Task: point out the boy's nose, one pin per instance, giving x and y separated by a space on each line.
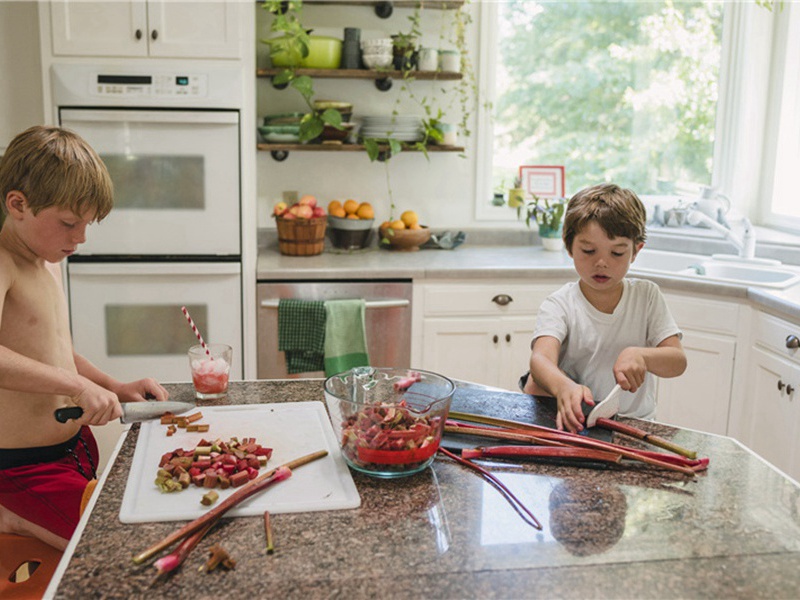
79 235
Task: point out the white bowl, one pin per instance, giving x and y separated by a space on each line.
376 44
377 61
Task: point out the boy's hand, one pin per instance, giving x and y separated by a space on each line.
99 404
630 369
141 390
570 414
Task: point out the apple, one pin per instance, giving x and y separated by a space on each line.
319 212
288 215
308 200
279 208
304 211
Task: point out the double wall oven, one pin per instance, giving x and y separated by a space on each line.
170 137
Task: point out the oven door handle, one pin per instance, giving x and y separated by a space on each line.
149 116
399 303
155 268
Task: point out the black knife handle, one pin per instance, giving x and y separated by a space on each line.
70 412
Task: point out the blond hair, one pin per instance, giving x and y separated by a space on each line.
53 166
618 211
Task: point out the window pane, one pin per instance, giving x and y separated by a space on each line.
614 91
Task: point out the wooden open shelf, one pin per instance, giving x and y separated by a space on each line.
365 74
435 4
291 147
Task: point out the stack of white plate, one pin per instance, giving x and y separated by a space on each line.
403 128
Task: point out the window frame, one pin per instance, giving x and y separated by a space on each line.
741 108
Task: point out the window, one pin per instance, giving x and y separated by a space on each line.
659 96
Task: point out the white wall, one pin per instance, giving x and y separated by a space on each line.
21 102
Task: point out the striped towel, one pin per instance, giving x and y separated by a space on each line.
301 334
345 336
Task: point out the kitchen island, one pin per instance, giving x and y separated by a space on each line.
732 531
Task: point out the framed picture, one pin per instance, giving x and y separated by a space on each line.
543 181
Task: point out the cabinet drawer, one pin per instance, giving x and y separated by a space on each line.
704 315
476 299
771 332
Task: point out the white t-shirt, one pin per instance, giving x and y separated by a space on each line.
591 340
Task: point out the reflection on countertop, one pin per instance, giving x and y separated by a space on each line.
733 531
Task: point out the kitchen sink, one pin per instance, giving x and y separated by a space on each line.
695 266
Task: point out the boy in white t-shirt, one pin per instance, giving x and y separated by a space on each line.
604 329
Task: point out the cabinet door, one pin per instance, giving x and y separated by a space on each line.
99 28
774 419
467 349
194 29
517 333
700 398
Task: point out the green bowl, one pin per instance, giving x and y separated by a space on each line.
280 133
323 53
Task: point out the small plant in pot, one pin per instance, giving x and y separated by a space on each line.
548 214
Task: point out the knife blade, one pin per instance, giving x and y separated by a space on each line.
606 409
132 412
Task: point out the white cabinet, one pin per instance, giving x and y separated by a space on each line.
147 28
479 332
700 398
773 409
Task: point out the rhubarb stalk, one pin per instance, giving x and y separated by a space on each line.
641 434
541 452
518 506
247 490
268 531
170 562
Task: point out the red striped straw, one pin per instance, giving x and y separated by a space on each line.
196 331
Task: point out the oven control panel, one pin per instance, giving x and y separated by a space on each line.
150 86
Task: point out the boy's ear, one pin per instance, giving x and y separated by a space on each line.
16 203
636 250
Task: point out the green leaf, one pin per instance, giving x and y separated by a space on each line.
311 128
395 147
283 77
305 85
372 148
333 117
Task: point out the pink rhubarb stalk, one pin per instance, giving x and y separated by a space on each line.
541 452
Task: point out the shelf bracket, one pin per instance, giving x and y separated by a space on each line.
384 10
279 155
384 84
278 86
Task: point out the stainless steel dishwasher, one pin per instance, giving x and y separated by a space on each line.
387 320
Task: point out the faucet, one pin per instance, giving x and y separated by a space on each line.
746 244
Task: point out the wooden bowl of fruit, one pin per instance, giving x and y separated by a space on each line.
405 239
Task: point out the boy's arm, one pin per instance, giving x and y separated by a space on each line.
665 360
135 391
569 395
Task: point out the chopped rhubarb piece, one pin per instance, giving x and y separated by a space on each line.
239 478
261 451
194 417
167 418
209 498
211 480
253 463
198 480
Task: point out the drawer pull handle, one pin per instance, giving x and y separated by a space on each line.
154 34
495 339
138 34
508 337
792 342
502 299
788 386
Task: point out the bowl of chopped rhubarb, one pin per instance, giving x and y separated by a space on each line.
389 421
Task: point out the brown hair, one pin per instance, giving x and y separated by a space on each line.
56 167
618 211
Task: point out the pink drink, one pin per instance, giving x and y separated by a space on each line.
210 373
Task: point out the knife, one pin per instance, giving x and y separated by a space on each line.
606 409
132 412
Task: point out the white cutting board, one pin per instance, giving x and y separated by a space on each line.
291 429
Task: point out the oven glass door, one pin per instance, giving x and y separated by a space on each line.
126 317
176 180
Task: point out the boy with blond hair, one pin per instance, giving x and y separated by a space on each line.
604 329
53 185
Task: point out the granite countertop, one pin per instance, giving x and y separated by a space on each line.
529 264
733 531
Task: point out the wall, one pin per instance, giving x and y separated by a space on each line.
440 189
21 103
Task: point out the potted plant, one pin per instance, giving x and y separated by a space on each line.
548 213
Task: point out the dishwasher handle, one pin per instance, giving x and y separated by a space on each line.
273 303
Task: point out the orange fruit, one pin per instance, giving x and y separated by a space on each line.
415 226
397 224
350 207
352 216
337 211
333 205
365 211
409 217
385 225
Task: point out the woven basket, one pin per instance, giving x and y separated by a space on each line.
301 237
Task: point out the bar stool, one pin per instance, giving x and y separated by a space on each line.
19 556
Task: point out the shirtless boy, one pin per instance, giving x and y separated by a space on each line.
53 185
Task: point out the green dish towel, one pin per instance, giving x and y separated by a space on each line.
345 336
301 334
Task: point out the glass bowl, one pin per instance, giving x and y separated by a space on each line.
389 421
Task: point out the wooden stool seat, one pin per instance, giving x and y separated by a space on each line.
41 559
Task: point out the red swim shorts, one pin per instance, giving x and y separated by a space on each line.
46 485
